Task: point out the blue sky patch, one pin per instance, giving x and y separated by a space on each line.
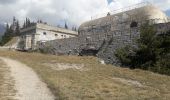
168 12
109 1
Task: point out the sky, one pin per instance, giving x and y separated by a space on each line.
74 12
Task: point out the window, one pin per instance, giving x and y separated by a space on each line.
56 35
134 24
44 33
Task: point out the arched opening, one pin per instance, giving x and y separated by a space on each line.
88 52
134 24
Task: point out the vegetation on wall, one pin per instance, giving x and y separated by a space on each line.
153 52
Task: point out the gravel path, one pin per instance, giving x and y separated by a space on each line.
27 83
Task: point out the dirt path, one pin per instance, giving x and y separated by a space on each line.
27 83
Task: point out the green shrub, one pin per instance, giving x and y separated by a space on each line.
124 56
153 52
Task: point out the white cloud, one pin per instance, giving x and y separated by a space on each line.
54 11
57 11
162 4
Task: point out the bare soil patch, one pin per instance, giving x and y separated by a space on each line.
66 66
128 82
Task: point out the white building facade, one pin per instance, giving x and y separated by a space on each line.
40 33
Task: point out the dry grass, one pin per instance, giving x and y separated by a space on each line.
98 82
6 83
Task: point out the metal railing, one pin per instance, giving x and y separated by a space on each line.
128 8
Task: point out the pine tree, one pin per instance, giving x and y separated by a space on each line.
7 30
41 21
11 31
75 29
17 31
7 35
66 27
14 20
29 23
24 25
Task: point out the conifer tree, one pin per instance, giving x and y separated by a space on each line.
73 28
17 31
7 35
66 27
24 25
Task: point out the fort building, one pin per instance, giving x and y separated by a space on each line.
40 33
102 36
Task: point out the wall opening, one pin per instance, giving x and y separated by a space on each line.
44 33
88 52
134 24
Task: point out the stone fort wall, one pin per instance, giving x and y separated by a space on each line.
103 36
104 41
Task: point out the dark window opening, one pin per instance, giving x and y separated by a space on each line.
109 58
56 34
134 24
88 52
44 33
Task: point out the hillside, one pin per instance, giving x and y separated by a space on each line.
84 78
12 42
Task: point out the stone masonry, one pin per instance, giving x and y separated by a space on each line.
102 37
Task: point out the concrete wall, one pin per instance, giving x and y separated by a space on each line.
43 33
62 46
51 35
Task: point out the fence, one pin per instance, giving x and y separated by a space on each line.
122 10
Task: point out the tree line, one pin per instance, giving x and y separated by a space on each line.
11 31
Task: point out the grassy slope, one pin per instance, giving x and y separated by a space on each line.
12 41
97 82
